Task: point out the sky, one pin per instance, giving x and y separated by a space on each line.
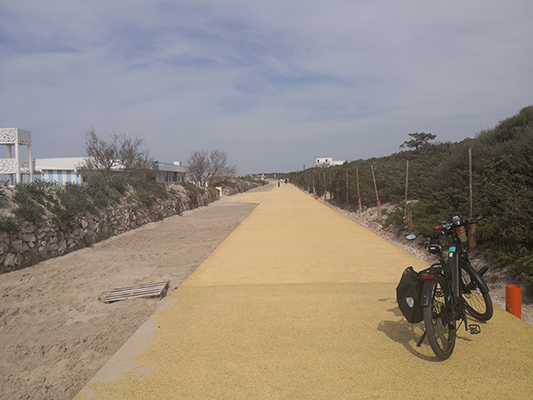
275 83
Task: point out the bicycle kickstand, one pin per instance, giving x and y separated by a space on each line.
422 339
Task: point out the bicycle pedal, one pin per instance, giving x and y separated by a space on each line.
474 329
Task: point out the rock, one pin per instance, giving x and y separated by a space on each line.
29 237
9 261
27 228
62 246
16 244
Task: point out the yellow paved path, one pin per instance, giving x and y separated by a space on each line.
299 303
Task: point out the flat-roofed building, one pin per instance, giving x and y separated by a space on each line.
327 162
60 170
169 174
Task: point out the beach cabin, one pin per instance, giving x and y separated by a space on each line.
60 170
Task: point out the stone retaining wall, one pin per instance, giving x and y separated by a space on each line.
45 239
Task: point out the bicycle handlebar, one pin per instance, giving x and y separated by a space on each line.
433 234
446 228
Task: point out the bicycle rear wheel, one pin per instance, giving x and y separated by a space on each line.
477 303
438 319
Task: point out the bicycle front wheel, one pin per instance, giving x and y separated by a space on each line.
477 303
438 319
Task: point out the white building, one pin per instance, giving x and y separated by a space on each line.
63 170
327 162
169 174
60 170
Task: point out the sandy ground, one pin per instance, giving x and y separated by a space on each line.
55 333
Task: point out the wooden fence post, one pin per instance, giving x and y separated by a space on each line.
325 186
358 192
472 230
330 193
347 201
406 187
472 237
377 197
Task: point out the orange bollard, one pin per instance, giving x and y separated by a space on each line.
316 196
513 300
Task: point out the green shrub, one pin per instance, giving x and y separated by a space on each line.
75 197
40 192
528 284
148 190
190 187
105 190
193 192
144 198
8 223
29 211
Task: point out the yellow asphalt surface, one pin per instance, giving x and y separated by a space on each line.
299 302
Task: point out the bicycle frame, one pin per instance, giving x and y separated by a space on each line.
454 253
451 271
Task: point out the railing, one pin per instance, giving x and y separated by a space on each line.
9 166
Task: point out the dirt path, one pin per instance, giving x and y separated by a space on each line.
55 333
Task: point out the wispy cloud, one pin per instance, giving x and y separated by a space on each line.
274 83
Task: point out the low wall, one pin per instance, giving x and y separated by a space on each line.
45 239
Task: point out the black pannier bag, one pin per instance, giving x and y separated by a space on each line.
409 295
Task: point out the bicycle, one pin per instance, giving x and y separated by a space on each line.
451 288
